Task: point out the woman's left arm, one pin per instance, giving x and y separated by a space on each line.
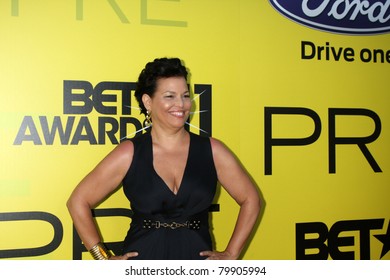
239 185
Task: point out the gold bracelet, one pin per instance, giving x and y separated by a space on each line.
100 252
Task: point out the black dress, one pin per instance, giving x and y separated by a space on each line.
167 225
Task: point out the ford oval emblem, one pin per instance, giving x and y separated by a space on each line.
355 17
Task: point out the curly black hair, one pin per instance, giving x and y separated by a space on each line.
158 68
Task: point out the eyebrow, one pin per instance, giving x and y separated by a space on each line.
170 91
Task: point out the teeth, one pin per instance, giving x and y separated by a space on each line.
178 114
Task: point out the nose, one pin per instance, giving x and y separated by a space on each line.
180 101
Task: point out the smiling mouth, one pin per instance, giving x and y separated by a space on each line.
178 114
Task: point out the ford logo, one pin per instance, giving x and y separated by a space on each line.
356 17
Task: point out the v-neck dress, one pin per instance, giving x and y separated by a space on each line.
166 225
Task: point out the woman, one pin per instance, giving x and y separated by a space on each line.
169 176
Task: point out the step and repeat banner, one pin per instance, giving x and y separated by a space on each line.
298 90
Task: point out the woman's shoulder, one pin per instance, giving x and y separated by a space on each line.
217 144
220 149
125 147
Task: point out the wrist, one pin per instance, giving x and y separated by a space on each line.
100 252
232 254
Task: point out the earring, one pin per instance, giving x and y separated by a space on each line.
148 119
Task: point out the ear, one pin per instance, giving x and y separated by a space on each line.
146 100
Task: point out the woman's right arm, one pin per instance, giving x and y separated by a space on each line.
95 187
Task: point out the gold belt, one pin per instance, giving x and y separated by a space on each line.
149 224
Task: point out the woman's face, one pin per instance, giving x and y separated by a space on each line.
171 103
